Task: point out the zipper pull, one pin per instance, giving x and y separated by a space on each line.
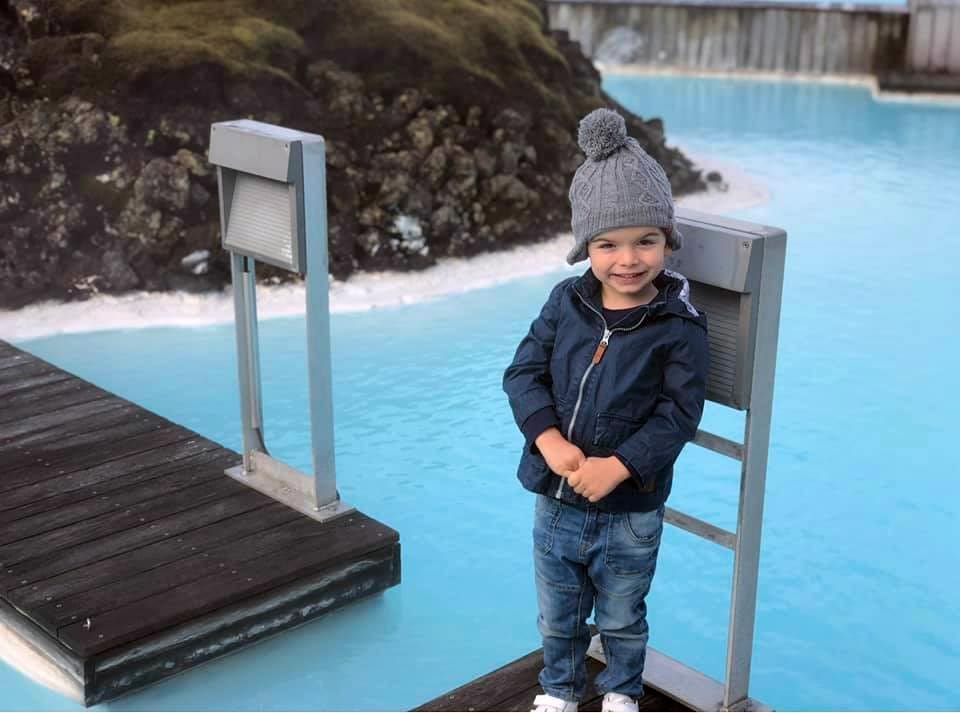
602 346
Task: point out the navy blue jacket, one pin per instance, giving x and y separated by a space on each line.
641 401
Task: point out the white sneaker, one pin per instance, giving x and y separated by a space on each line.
618 702
551 704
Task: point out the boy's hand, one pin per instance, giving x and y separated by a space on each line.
597 477
562 456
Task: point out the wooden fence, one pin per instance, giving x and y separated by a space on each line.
826 38
934 43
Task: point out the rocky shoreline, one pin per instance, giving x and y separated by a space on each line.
105 188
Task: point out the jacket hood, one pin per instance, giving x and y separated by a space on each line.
673 297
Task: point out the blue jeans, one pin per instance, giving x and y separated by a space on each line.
585 559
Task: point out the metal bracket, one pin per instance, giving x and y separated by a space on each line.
288 485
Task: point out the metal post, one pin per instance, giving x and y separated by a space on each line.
248 355
272 183
318 323
746 563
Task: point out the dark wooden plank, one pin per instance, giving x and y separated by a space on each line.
163 578
53 435
17 386
44 567
51 602
79 413
134 515
514 686
141 433
489 690
38 399
130 498
11 359
10 378
225 630
331 544
65 490
168 548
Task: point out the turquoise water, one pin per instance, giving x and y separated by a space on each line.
858 605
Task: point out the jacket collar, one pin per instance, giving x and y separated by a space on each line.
673 297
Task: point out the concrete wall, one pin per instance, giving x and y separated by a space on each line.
828 38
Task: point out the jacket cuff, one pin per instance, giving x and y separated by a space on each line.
537 423
634 473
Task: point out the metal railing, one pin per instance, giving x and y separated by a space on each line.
735 270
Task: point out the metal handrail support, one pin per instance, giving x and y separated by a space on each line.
744 259
273 208
753 476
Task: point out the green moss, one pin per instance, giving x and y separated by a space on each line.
467 45
498 43
149 35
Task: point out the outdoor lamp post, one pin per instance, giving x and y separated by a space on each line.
273 208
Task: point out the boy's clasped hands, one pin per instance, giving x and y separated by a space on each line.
593 478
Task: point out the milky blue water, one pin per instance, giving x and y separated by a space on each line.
858 604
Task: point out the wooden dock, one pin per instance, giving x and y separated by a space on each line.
126 554
514 686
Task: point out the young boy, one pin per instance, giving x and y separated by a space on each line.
607 387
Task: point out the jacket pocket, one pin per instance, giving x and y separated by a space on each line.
612 429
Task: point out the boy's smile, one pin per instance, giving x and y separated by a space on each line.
626 261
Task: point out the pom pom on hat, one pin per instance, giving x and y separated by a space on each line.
601 132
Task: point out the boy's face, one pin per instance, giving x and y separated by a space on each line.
626 261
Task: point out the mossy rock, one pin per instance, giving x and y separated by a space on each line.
473 50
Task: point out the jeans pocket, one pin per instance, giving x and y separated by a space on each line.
633 540
545 518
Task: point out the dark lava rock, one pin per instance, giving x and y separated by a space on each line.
104 124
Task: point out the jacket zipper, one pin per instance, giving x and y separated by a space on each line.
597 356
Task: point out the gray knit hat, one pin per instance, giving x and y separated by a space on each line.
618 185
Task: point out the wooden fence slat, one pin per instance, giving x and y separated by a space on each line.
655 35
808 24
769 39
683 20
670 35
953 56
743 38
921 33
873 44
819 43
695 37
940 41
731 36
